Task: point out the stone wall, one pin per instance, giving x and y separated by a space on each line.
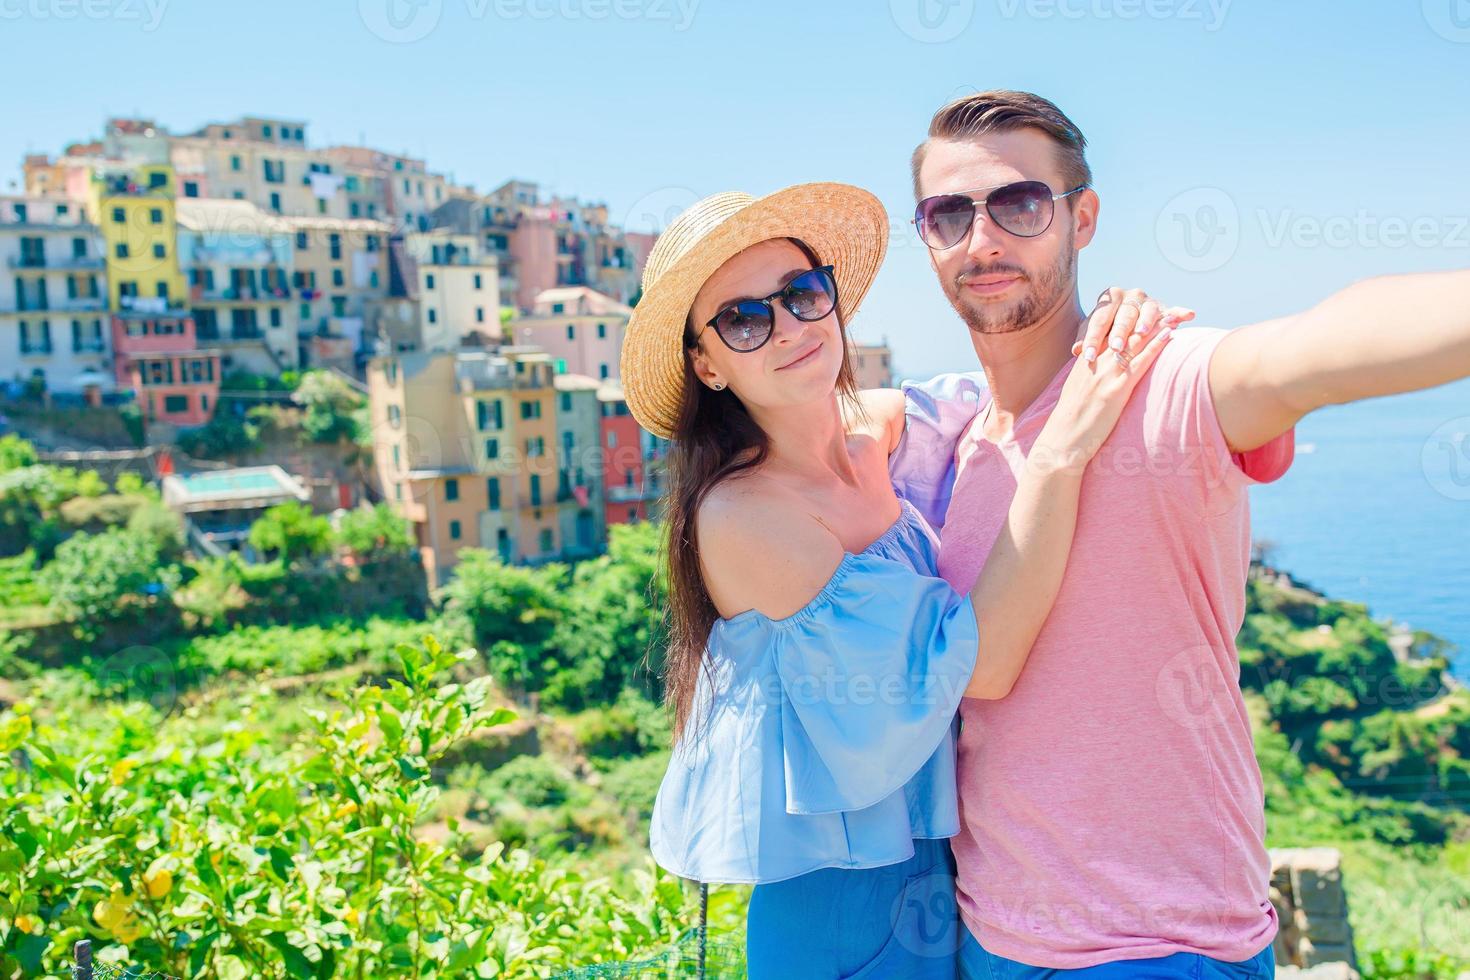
1311 902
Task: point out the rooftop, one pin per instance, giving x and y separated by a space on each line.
237 489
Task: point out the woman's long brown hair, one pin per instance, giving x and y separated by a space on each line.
714 439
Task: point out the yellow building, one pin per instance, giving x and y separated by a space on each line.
134 210
464 448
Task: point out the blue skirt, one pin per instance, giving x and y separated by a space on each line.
898 922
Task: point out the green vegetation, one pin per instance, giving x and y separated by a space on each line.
218 768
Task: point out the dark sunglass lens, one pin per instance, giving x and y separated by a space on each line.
744 326
945 219
811 295
1023 209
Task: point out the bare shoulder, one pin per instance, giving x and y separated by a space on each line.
881 417
761 548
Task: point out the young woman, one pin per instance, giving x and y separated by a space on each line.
815 660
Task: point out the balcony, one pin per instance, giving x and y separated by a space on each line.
81 304
42 263
38 349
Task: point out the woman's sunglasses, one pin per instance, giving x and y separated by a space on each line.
746 325
1024 208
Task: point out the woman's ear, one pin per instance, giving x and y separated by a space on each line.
703 370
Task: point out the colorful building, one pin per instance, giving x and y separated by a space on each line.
872 364
632 461
238 261
463 447
579 491
134 208
52 296
156 353
457 287
579 327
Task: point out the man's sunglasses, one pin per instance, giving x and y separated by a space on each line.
1024 208
747 325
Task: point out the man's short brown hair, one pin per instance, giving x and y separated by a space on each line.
1000 111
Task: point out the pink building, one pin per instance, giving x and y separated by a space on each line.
579 327
158 355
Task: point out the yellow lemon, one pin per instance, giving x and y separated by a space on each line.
346 809
351 916
28 924
159 883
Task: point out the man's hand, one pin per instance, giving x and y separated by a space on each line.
1377 337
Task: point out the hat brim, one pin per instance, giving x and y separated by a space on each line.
845 226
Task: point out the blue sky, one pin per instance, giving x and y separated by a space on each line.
1251 155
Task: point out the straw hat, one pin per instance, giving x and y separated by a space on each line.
845 226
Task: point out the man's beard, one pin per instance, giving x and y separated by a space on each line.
1043 295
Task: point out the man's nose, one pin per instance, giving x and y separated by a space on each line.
987 242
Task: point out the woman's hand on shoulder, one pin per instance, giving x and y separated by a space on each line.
761 548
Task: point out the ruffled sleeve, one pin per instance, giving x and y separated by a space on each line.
871 673
936 414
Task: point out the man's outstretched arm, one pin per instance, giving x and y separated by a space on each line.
1376 337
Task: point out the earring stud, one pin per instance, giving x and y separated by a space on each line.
718 385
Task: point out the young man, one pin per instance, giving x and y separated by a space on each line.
1111 805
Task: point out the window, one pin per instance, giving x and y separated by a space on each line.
79 248
602 331
492 448
454 530
372 243
530 410
275 171
566 403
628 478
156 180
275 316
535 490
451 489
121 250
535 446
301 243
558 307
161 291
159 251
118 216
429 280
479 314
191 188
395 416
334 244
20 212
492 488
397 458
546 540
275 202
155 215
632 514
571 331
477 280
176 403
265 131
234 160
433 315
612 440
337 279
602 371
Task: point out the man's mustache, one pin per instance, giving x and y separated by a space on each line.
975 271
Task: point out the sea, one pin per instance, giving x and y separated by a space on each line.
1376 509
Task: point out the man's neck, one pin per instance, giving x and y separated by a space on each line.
1019 365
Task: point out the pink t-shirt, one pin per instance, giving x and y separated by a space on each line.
1111 807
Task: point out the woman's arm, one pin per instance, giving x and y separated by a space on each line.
1021 578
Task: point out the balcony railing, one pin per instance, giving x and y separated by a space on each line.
35 348
59 263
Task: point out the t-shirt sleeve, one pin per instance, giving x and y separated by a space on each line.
1184 423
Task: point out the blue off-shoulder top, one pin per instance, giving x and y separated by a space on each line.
825 739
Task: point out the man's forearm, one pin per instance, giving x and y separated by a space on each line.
1377 337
